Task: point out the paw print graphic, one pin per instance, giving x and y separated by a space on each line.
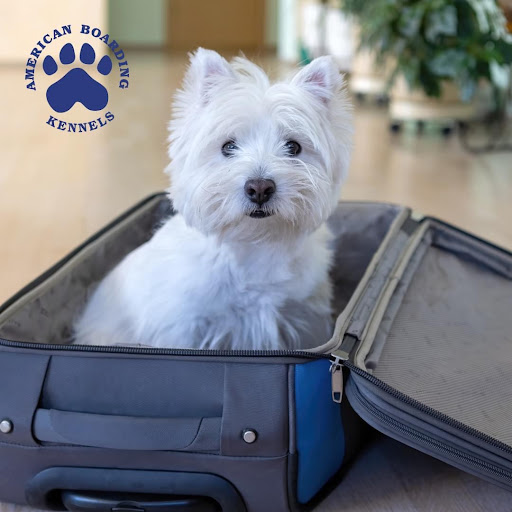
77 85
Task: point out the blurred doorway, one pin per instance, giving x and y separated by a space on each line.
223 25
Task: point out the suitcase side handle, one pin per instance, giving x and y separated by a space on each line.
81 501
129 488
127 432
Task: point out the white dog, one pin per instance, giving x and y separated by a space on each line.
256 169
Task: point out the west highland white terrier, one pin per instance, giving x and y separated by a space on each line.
256 169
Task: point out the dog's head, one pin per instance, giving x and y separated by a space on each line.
252 160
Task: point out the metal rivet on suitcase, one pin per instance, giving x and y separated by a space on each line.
6 426
249 435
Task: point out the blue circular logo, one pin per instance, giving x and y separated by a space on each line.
82 69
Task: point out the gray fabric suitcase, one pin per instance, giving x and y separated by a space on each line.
423 340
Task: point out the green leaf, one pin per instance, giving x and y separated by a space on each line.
499 75
482 70
430 83
504 48
441 22
450 63
410 68
467 88
467 25
410 20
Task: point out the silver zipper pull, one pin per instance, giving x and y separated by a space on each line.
336 370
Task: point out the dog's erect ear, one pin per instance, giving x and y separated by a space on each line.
207 71
321 78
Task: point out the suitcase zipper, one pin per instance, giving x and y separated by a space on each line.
456 425
341 357
336 378
430 442
338 359
163 351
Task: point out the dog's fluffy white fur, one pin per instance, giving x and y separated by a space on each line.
213 277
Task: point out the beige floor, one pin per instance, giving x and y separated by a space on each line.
57 188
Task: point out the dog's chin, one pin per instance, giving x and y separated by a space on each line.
259 214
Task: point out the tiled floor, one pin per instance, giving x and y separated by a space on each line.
57 188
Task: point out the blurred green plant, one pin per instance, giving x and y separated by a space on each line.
431 41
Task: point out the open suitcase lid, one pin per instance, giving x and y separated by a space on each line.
428 340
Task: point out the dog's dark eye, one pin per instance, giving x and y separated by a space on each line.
229 148
292 148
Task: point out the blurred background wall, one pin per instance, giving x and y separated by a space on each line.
175 25
22 23
139 24
228 25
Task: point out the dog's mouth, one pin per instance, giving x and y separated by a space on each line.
260 214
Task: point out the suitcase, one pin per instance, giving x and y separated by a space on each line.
422 351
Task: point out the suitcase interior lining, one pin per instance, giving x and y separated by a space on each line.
446 337
46 313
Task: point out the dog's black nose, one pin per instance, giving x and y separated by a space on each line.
259 191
